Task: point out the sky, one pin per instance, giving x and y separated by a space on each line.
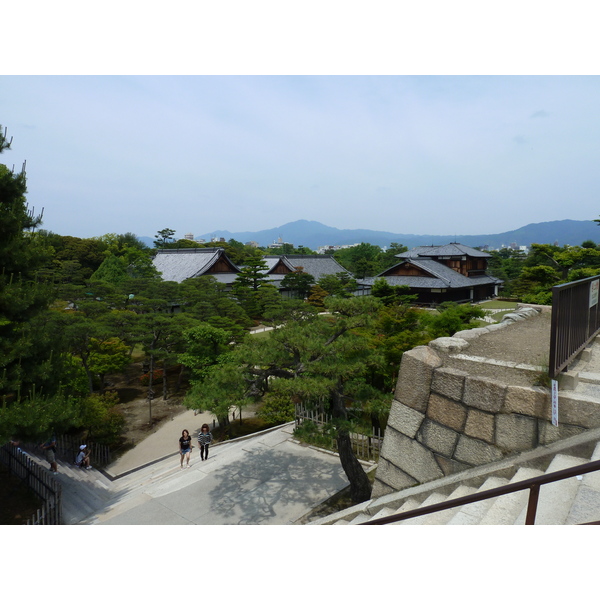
127 141
406 154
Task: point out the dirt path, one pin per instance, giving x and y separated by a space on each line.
525 342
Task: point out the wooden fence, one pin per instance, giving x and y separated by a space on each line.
40 481
68 448
366 446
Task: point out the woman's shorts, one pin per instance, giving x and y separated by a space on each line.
186 450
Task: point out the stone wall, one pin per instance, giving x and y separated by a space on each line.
444 420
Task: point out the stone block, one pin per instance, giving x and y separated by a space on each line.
515 433
446 412
381 489
449 344
549 433
449 383
480 425
450 466
414 379
470 334
437 438
404 419
390 478
577 411
531 401
410 456
568 381
475 452
484 393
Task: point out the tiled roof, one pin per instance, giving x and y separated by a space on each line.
454 249
181 264
313 264
442 276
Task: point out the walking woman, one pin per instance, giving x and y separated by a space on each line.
204 439
185 447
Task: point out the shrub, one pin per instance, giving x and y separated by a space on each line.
157 377
276 410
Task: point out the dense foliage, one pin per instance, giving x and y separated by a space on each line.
530 277
74 310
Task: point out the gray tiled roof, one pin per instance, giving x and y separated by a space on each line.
442 276
313 264
454 249
181 264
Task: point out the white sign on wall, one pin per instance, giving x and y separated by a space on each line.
594 287
555 402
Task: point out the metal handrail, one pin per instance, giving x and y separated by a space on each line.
574 322
533 485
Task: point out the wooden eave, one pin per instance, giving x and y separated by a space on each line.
406 269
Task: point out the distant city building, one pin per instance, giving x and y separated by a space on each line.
189 236
217 239
280 244
252 244
325 249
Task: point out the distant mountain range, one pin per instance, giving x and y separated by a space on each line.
313 234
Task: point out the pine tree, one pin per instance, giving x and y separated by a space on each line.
24 353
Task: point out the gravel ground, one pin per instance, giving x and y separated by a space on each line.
523 342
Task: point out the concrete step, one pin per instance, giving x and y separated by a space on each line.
505 510
443 516
556 499
361 518
384 512
586 506
471 514
433 498
410 504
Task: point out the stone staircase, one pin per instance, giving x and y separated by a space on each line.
84 492
570 501
88 494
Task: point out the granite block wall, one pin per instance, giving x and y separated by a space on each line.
444 420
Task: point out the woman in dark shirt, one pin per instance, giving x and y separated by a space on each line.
185 446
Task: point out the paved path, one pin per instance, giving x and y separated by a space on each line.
267 478
161 443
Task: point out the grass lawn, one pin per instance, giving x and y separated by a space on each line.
498 304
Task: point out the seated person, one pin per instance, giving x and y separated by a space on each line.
83 458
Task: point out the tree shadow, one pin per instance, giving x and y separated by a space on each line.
268 484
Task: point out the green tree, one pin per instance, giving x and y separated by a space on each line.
22 295
319 361
363 260
317 296
341 284
110 355
392 294
253 274
164 238
298 282
389 258
206 299
450 318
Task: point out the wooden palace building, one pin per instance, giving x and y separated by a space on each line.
452 272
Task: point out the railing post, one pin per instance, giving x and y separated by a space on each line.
534 494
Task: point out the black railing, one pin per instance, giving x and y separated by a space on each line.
575 321
533 485
40 481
